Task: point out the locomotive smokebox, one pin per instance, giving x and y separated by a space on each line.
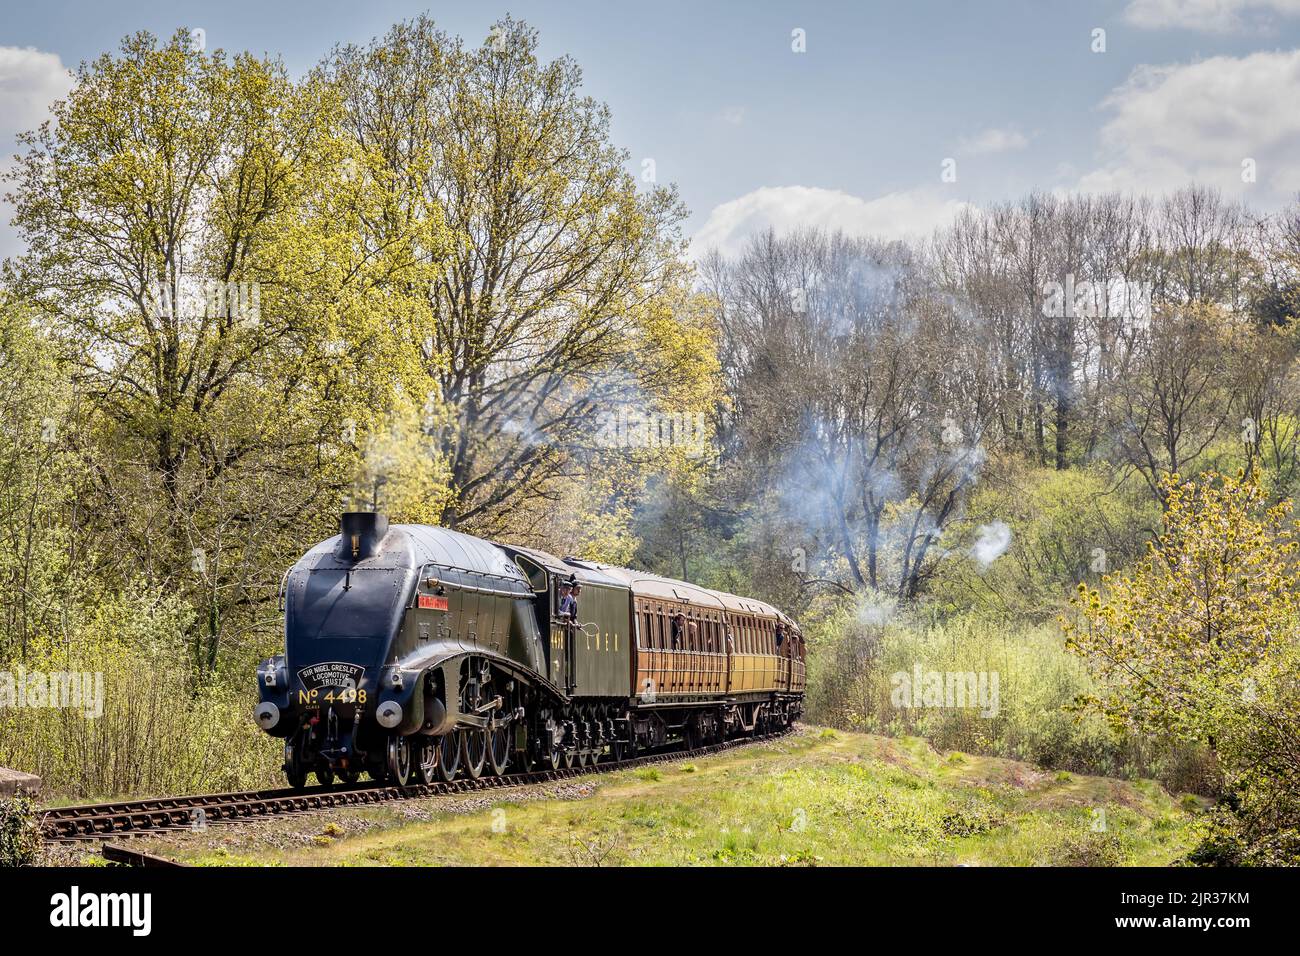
362 531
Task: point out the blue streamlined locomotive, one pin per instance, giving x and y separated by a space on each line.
414 652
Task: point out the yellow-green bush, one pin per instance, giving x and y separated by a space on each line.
854 656
160 730
20 835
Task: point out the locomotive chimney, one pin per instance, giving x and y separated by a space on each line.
361 533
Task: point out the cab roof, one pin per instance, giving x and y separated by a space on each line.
560 568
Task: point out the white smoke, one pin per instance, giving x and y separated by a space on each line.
993 541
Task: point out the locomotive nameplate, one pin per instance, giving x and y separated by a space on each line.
331 674
433 603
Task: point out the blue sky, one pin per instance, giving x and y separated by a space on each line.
852 133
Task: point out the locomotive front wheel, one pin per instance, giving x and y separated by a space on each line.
499 750
448 756
294 771
399 760
426 763
473 751
325 776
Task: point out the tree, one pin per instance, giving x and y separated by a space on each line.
39 478
1197 643
197 244
861 396
1176 395
537 325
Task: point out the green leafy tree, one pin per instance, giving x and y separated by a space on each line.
221 263
539 321
1197 643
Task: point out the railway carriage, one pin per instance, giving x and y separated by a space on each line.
414 652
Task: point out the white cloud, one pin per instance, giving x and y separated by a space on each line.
993 140
897 215
30 81
1175 124
1209 16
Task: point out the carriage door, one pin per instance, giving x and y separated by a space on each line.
561 643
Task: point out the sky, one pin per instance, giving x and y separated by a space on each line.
872 117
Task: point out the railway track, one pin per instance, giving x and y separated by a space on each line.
102 821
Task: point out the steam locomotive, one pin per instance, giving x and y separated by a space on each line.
420 653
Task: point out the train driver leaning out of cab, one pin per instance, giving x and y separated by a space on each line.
568 609
577 593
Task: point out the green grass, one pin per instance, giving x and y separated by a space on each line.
813 798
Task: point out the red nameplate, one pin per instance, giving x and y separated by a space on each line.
436 603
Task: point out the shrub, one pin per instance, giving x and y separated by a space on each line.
161 730
1197 644
1093 849
855 652
20 834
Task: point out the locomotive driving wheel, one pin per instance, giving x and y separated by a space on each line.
499 748
448 756
399 759
474 750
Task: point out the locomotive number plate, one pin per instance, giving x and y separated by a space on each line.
331 682
433 603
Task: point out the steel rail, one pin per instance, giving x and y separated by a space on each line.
102 821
